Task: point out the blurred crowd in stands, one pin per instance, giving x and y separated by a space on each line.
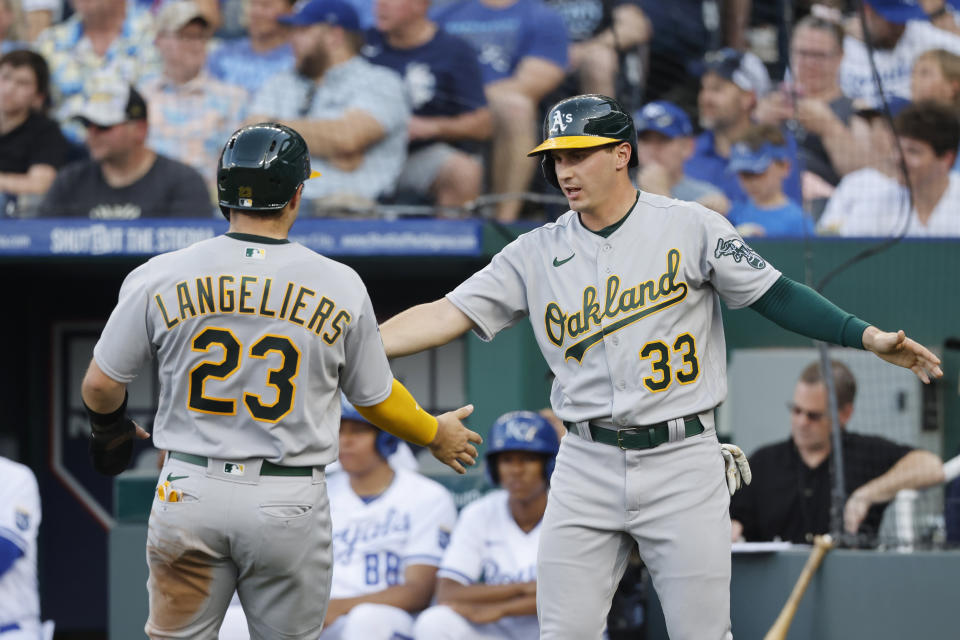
835 119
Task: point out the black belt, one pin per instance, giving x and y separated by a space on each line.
266 469
646 437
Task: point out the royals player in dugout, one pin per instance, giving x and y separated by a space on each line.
623 293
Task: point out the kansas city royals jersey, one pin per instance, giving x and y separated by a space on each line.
374 542
253 339
629 324
487 546
19 522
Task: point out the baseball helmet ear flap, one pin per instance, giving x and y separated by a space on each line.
387 444
549 170
521 431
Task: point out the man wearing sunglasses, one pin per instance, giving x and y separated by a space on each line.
790 496
123 179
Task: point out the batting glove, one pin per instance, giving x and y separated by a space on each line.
737 467
111 439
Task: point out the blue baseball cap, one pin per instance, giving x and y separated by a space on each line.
335 12
898 11
664 118
743 159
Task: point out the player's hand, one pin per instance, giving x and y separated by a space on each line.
855 511
452 444
897 348
737 467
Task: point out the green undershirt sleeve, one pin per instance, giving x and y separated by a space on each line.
800 309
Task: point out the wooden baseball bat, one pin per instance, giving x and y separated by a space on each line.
821 544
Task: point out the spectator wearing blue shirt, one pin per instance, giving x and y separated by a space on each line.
730 87
443 82
664 142
761 160
522 50
249 62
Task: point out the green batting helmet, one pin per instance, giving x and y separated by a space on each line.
583 122
261 167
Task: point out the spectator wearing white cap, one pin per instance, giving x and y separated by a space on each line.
731 84
123 179
900 30
191 113
664 143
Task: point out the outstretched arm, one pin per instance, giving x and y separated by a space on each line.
916 470
423 327
802 310
445 435
898 349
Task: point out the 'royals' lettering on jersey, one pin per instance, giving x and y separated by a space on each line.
629 324
374 542
488 546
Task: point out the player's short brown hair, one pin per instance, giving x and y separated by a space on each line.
929 122
843 380
760 134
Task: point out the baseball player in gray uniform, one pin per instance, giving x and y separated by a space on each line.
623 293
255 336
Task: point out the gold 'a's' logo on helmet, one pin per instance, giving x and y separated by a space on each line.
245 192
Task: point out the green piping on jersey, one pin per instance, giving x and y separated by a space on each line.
606 232
800 309
249 237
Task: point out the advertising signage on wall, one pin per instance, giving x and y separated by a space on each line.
332 237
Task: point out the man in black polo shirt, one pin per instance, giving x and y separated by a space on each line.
789 498
32 147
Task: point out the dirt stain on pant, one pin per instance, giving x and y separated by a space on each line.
179 586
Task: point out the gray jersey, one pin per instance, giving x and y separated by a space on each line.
629 324
253 339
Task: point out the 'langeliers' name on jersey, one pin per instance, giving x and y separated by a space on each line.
665 291
246 295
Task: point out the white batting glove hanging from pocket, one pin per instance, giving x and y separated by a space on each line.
737 467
